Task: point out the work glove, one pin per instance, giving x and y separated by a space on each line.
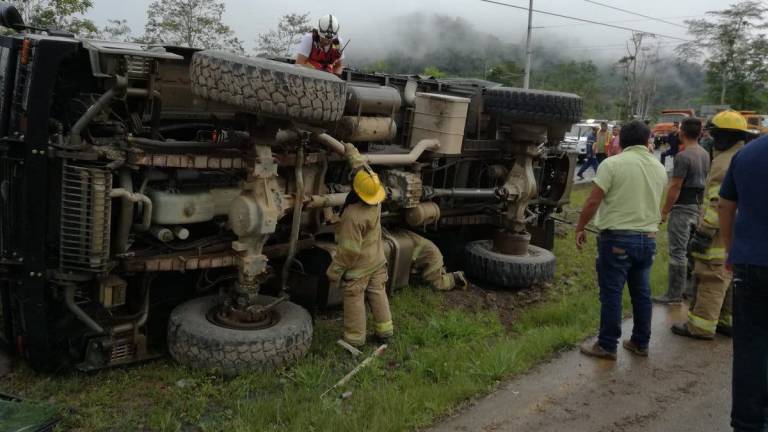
700 242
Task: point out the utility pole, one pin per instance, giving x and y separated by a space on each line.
528 51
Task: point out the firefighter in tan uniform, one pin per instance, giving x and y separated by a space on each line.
428 260
359 264
711 308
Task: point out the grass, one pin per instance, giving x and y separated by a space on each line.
441 358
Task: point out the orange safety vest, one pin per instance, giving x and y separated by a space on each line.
321 59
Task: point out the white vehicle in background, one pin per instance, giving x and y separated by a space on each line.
576 139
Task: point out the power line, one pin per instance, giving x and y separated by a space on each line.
617 21
635 13
585 20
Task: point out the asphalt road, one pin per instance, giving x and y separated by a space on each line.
683 386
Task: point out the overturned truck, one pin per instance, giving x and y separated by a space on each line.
159 199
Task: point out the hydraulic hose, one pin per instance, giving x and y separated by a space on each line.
296 217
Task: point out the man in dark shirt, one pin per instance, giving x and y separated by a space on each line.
591 160
743 198
683 206
673 139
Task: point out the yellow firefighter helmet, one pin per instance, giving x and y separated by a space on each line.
368 186
730 120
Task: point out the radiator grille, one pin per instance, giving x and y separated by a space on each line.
138 67
85 217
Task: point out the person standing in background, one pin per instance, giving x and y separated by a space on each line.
626 197
674 143
601 142
683 206
614 147
591 160
742 200
710 311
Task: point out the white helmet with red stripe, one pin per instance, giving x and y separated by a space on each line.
328 27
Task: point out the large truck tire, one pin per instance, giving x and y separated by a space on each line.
195 341
509 271
268 87
542 107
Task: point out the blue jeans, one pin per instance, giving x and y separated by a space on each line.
624 259
750 349
591 162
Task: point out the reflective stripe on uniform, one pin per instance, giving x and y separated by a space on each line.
701 323
726 320
711 217
350 245
354 338
335 269
384 329
714 253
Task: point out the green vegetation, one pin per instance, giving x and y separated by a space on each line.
433 72
443 355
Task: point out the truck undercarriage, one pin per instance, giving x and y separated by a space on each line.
157 197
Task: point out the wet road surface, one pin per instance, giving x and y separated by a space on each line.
683 386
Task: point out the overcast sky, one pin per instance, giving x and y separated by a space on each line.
361 20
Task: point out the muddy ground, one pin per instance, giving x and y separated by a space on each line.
683 386
506 303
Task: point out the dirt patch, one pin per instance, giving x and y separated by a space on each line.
506 303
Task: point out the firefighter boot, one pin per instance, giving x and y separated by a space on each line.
677 285
460 280
712 288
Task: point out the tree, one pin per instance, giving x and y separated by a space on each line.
190 23
582 78
432 71
734 52
117 30
278 43
508 73
58 14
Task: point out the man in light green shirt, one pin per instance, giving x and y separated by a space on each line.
626 199
633 183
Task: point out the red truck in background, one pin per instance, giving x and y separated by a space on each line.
666 123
